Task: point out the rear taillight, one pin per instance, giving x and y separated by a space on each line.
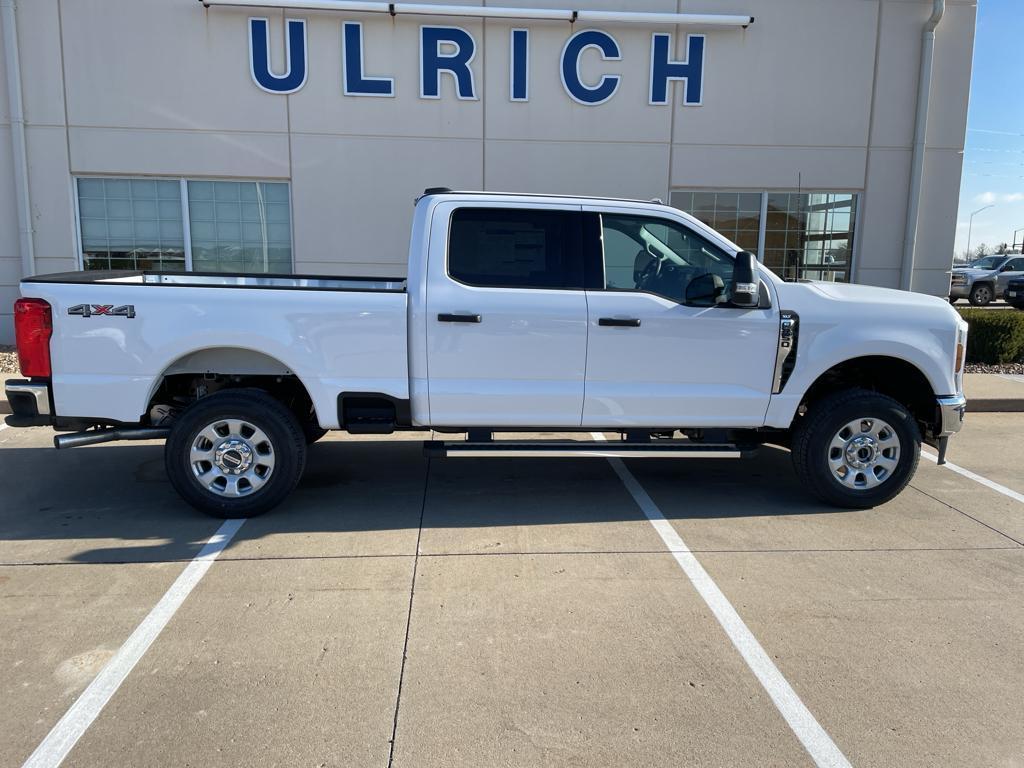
33 326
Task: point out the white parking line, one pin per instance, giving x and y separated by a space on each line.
816 741
977 478
76 721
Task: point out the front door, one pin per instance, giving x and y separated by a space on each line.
507 318
1011 270
654 360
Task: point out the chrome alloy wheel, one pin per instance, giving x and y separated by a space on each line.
864 453
231 457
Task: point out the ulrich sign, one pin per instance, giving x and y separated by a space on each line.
450 51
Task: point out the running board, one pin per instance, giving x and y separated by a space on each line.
662 449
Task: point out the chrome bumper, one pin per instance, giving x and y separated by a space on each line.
951 414
30 403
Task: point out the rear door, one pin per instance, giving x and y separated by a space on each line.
655 360
506 316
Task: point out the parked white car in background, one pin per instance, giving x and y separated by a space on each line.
520 313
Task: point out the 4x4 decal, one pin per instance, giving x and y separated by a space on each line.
108 310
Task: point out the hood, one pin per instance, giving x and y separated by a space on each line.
885 305
972 271
867 294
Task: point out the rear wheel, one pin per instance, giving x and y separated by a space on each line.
981 295
237 453
856 448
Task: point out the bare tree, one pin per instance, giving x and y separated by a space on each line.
1002 248
982 250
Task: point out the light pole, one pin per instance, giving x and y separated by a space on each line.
970 226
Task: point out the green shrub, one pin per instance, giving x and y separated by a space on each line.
996 335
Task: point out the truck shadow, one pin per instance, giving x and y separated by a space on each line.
116 500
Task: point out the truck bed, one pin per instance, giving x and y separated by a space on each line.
117 333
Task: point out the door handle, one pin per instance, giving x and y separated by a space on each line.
448 317
619 322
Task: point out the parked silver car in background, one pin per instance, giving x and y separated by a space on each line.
985 280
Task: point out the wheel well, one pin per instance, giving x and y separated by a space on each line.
206 371
900 380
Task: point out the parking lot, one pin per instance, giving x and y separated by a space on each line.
413 612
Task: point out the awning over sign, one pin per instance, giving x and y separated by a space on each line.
486 12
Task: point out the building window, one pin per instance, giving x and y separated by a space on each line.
131 224
165 224
797 235
736 215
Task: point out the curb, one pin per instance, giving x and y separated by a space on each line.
995 405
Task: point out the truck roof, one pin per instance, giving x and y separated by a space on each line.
430 191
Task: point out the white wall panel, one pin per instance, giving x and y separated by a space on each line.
883 218
179 153
812 168
800 75
168 64
353 197
52 213
41 75
582 168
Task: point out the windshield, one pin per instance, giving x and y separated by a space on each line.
989 262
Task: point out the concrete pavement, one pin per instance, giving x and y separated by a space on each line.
406 612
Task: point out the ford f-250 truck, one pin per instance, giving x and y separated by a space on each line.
520 313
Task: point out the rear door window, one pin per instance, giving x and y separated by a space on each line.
515 248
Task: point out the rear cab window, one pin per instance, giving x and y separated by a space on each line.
515 248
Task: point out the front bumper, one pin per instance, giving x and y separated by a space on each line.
30 403
951 414
959 290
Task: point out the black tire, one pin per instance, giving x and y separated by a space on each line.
813 435
312 432
981 295
952 300
285 442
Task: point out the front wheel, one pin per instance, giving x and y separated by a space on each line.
856 448
981 295
237 453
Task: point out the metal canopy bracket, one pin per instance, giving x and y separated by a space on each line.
488 12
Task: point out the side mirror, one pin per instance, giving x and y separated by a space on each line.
706 290
745 290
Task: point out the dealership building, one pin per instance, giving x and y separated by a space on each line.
826 136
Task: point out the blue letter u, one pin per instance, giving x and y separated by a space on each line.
294 76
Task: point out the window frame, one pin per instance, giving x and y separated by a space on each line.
575 230
601 281
186 227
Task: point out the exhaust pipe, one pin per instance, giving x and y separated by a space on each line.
93 436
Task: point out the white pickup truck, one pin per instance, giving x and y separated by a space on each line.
520 313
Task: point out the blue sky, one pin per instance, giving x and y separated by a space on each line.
994 153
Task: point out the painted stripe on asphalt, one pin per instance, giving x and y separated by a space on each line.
816 741
76 721
977 478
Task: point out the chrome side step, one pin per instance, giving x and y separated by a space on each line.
662 449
